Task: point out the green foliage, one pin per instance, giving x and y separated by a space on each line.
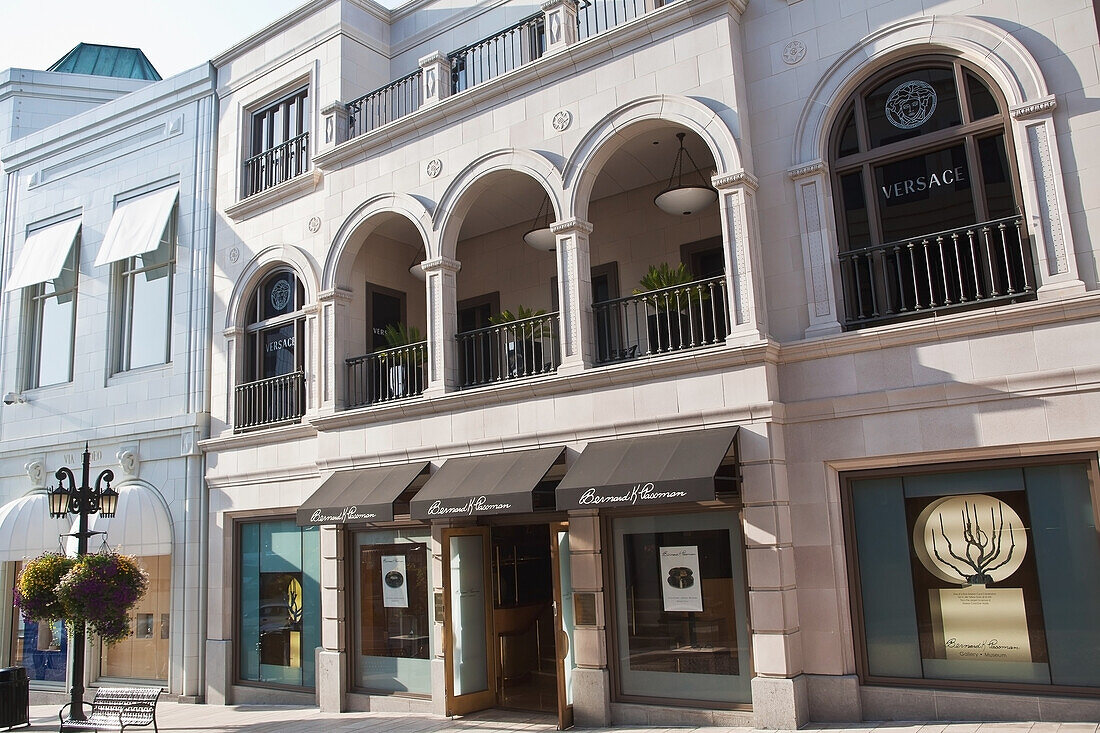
36 587
400 334
662 276
522 312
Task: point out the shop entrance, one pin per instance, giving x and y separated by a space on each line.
509 638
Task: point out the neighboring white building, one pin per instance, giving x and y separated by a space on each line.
105 340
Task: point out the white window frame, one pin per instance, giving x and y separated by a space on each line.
126 271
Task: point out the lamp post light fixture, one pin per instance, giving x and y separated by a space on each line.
83 501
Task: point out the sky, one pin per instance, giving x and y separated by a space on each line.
175 35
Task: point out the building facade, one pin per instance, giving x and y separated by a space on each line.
106 280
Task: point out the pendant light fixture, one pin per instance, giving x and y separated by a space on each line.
540 236
415 269
682 199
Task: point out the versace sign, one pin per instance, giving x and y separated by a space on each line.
911 104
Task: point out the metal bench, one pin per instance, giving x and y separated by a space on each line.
116 708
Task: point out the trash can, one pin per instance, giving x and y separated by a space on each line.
14 697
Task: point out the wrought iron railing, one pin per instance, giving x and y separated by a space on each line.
384 105
277 164
671 319
597 16
950 270
268 402
498 54
512 350
388 375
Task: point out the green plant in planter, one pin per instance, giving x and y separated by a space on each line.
403 364
524 341
531 330
400 334
662 276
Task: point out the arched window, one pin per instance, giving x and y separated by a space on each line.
927 199
274 356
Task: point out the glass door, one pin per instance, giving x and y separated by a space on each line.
563 621
468 655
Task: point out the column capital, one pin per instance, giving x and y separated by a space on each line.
334 294
807 169
560 21
336 128
435 73
735 180
436 264
565 226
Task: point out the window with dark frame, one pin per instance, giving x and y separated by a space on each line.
278 143
927 195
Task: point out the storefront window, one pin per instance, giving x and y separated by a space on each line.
680 607
392 583
41 648
988 576
144 654
280 609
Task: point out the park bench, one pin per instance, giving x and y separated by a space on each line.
115 708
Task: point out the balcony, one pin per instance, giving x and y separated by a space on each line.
497 54
268 402
276 165
973 266
678 318
514 350
387 376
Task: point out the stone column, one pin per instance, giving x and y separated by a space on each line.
234 372
591 679
1047 220
744 278
818 253
442 311
332 676
435 72
560 22
336 126
574 295
332 390
779 694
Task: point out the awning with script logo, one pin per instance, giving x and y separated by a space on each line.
649 470
359 495
500 483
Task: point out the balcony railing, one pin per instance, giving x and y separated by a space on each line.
955 269
277 164
384 105
388 375
512 350
498 54
268 402
597 16
660 321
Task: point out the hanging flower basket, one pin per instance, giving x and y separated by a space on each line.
98 590
36 587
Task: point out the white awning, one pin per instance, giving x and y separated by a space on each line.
140 526
27 530
43 255
137 226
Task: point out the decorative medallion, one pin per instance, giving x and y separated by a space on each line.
434 168
972 539
794 52
280 294
234 255
562 120
314 224
911 104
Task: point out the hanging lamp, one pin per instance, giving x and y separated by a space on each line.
679 198
540 236
415 268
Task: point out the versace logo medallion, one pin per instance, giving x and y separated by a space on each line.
911 104
280 295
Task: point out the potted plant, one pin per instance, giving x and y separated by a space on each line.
523 342
668 321
400 363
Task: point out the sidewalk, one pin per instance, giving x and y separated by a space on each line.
176 718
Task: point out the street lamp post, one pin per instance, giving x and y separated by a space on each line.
82 501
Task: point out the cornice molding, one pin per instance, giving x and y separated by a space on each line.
734 180
808 169
257 202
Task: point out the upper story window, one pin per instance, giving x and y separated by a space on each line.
47 271
927 196
273 388
278 143
141 239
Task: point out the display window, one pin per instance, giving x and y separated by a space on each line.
144 654
41 648
392 585
280 602
680 598
980 576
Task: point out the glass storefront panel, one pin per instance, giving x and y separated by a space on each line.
280 593
42 649
987 576
393 584
144 654
681 622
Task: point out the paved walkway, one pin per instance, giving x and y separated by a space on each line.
182 718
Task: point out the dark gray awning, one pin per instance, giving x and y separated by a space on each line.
501 483
658 469
360 495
